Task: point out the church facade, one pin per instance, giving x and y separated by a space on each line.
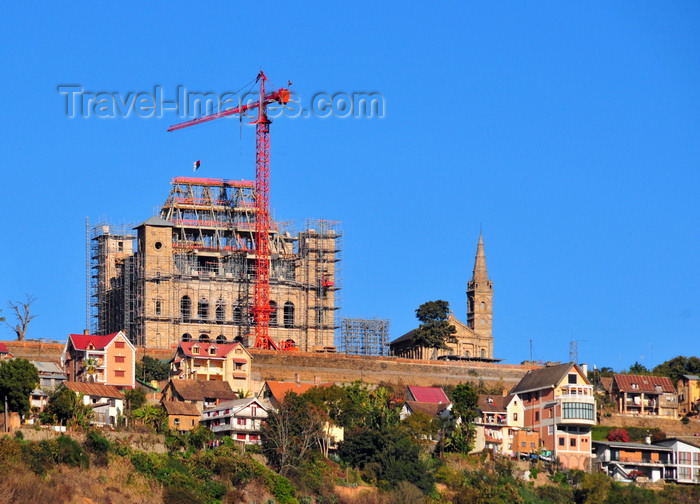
473 339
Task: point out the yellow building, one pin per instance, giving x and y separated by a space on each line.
473 340
688 387
213 362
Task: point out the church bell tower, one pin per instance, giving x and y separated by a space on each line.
480 295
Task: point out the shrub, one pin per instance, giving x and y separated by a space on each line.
619 435
685 420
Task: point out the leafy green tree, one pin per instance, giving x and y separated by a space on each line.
152 369
677 367
18 377
638 369
151 416
67 408
465 409
387 456
434 329
420 426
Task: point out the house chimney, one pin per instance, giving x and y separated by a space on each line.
86 332
317 379
297 380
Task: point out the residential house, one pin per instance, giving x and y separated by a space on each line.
4 352
632 461
499 418
273 393
107 360
203 394
685 466
241 419
688 387
645 395
426 395
559 406
51 375
107 401
182 416
435 410
228 362
669 459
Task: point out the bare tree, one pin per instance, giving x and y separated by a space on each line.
22 315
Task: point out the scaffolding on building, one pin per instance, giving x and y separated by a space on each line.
196 281
364 336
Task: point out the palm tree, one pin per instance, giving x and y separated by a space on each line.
90 367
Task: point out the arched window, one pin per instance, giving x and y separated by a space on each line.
204 338
239 339
186 337
185 308
203 309
483 353
288 315
220 311
221 339
273 314
483 306
466 354
237 317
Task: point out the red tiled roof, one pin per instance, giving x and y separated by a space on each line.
82 341
198 390
3 348
240 361
222 350
644 383
95 389
428 394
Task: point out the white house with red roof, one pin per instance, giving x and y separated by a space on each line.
104 359
228 362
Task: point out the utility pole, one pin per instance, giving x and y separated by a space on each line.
7 427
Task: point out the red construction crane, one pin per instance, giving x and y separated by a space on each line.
261 307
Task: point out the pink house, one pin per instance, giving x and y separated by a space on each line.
106 360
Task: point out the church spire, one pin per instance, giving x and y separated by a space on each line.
481 274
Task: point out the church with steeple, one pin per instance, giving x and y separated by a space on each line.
473 339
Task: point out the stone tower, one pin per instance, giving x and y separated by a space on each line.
480 295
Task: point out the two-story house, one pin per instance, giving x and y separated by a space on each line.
499 418
558 404
203 394
669 459
241 419
229 362
688 387
107 360
632 461
645 395
106 401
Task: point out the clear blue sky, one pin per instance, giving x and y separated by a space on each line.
568 131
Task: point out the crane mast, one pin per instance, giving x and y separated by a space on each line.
261 299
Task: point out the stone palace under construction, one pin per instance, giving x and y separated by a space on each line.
188 273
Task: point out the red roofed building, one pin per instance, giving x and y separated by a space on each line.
107 360
645 395
4 352
426 395
228 362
